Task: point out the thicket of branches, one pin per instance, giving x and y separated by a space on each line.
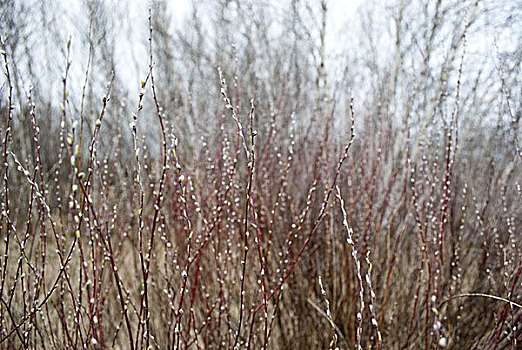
254 178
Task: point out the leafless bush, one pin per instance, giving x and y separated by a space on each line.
256 187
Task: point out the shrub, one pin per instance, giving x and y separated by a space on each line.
265 204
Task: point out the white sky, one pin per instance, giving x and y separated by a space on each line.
338 13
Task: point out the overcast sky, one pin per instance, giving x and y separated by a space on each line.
340 12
